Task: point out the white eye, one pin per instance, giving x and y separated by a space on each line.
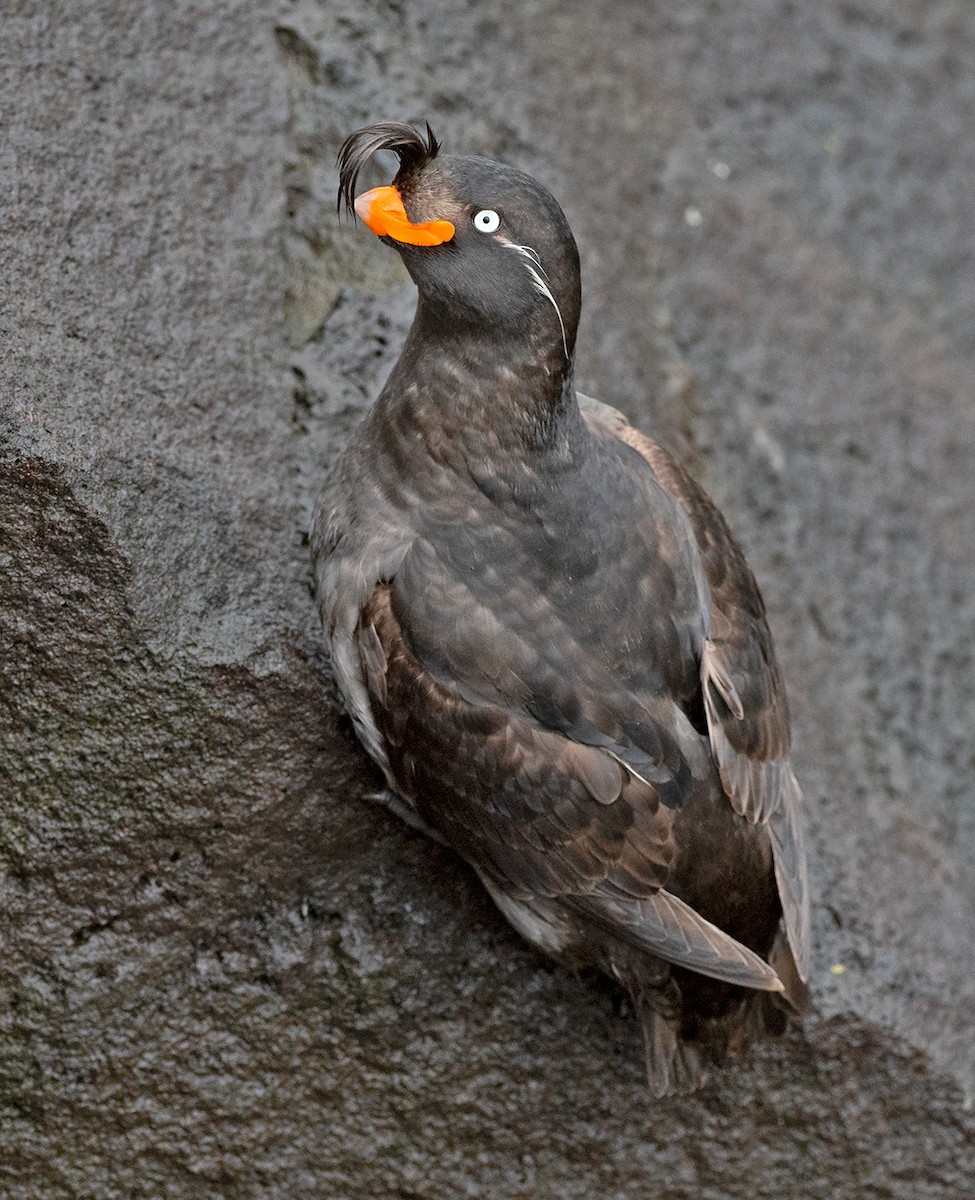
487 220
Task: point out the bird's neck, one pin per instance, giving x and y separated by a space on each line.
469 395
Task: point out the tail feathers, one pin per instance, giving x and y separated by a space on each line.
674 1066
759 1016
679 1047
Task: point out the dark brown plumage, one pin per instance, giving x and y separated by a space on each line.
547 636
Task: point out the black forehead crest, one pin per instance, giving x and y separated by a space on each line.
413 149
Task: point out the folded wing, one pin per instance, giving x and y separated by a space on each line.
541 817
744 696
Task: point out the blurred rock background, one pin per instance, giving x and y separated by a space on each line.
223 971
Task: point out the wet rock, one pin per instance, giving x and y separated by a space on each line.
225 972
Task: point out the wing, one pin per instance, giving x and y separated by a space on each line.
744 696
538 814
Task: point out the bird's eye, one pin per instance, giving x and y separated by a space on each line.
487 220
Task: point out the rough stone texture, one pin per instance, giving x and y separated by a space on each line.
224 972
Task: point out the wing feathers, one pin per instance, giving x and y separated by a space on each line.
373 661
748 720
791 873
672 930
714 675
601 775
768 792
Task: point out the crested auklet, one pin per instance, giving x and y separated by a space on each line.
547 637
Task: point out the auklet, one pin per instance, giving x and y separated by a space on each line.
547 637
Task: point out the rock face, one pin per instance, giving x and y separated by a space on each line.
224 971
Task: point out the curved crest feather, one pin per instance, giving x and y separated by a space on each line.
413 149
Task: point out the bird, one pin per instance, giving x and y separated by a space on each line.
547 637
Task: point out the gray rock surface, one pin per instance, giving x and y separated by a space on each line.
224 972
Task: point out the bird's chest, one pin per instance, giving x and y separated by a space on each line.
585 573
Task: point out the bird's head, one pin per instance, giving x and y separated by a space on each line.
488 247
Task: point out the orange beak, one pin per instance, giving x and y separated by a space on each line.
382 210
